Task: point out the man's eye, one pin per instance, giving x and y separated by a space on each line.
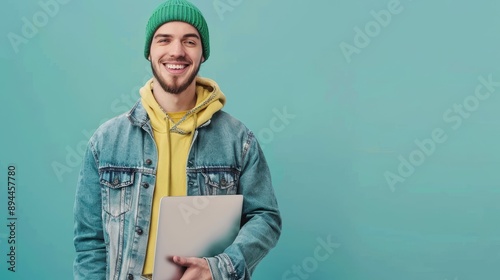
191 43
163 41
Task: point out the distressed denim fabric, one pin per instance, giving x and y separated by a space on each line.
115 189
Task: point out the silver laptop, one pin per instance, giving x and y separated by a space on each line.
194 226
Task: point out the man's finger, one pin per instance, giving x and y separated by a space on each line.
183 261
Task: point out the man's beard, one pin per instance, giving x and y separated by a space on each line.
172 88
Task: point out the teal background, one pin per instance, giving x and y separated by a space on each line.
351 123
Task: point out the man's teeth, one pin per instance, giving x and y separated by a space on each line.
176 66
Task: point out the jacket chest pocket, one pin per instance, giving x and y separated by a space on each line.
220 182
116 191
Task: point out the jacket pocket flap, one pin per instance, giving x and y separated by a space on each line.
220 179
117 178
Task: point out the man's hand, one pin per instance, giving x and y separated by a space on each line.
196 268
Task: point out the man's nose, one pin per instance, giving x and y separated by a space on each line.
176 49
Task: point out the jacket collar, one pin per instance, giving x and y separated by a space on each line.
138 115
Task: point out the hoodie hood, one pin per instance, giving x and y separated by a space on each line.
209 100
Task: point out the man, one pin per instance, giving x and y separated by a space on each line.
175 141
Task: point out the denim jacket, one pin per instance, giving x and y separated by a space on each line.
115 190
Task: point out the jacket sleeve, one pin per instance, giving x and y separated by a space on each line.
261 221
90 261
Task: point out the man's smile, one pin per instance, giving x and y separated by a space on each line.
176 68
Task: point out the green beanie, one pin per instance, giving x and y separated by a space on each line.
177 10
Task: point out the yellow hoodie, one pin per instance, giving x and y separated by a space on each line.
173 134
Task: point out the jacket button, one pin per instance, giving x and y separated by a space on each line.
138 230
149 161
145 185
116 181
130 277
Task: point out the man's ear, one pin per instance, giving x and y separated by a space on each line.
149 57
202 59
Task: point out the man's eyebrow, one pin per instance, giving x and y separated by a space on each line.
185 36
162 35
192 35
